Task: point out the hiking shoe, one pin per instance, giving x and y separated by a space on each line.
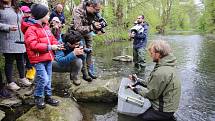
13 86
87 78
93 76
39 102
5 93
30 74
76 81
25 82
51 101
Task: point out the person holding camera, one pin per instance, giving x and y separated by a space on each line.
70 59
139 34
163 88
85 22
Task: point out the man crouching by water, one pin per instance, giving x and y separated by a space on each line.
163 86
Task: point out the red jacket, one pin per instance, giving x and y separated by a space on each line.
37 39
26 22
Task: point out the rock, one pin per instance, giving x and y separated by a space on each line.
61 81
123 58
68 110
100 90
11 102
2 115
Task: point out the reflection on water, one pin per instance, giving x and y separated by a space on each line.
196 67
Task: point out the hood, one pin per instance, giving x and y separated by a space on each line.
169 60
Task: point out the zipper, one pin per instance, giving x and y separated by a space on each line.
48 42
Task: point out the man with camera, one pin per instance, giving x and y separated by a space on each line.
86 21
70 59
139 35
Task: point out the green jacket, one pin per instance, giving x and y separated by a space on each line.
164 87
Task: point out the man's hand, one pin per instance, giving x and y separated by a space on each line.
130 86
78 51
13 28
97 25
131 35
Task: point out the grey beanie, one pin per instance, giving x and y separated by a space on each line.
39 11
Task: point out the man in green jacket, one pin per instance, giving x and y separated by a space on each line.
163 87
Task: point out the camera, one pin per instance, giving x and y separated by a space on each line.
136 29
101 21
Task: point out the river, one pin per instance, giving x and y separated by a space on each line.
196 57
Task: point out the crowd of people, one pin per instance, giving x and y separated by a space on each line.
33 38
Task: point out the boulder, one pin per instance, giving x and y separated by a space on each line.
123 58
61 81
2 115
68 110
100 90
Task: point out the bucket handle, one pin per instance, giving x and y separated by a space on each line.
135 101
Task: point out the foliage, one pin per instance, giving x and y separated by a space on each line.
207 20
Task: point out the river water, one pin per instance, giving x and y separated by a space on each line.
196 66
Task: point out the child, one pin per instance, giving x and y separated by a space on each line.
56 26
25 23
39 43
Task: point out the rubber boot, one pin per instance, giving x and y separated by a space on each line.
91 71
86 76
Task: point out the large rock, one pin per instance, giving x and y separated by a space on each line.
100 90
124 58
2 115
68 110
61 81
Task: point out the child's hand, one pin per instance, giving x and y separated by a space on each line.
57 47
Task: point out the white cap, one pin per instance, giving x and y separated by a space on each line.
56 19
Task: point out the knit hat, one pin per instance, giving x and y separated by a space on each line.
39 11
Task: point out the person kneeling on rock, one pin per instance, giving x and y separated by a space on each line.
70 59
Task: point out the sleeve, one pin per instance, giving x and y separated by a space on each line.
143 34
63 59
155 87
54 40
4 27
78 25
51 16
63 21
31 41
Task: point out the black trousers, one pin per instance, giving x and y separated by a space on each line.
154 115
9 59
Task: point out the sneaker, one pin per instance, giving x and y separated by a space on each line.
25 82
13 86
51 101
76 81
39 101
5 93
30 74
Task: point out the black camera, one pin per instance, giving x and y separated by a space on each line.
102 22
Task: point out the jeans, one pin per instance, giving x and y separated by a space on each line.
74 68
43 79
9 59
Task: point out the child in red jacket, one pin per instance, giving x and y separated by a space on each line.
39 43
27 21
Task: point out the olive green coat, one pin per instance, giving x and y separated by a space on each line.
164 87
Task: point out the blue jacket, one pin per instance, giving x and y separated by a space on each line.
60 16
64 57
140 39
